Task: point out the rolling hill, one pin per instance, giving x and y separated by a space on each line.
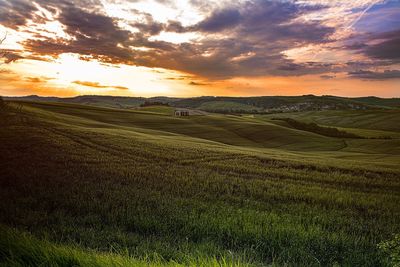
105 186
287 103
96 100
262 104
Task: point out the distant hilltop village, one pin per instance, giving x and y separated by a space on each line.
309 106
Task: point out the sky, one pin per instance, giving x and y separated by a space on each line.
189 48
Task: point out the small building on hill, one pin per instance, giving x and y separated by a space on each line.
181 112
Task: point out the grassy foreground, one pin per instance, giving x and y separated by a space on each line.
210 190
21 249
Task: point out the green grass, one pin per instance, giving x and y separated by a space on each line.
22 249
160 189
315 128
232 130
384 120
166 110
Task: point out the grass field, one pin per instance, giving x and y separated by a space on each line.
386 120
160 110
100 187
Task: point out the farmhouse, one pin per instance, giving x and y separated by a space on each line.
181 112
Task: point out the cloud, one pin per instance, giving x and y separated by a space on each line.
198 83
381 45
90 84
247 41
16 13
236 38
94 35
8 55
372 75
38 79
387 49
120 87
175 78
6 71
148 26
327 77
98 85
220 20
11 57
250 41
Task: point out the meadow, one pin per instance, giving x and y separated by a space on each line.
93 186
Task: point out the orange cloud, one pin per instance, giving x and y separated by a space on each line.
98 85
5 71
198 83
37 79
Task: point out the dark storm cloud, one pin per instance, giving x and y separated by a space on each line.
372 75
15 13
94 35
389 49
220 20
148 26
246 40
254 37
268 20
386 45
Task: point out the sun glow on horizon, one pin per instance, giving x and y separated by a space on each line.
126 80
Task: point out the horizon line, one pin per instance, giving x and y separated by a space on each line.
65 97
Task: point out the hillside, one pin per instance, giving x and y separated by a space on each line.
385 120
100 101
197 191
287 103
262 104
376 101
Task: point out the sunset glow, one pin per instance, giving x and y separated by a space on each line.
192 48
